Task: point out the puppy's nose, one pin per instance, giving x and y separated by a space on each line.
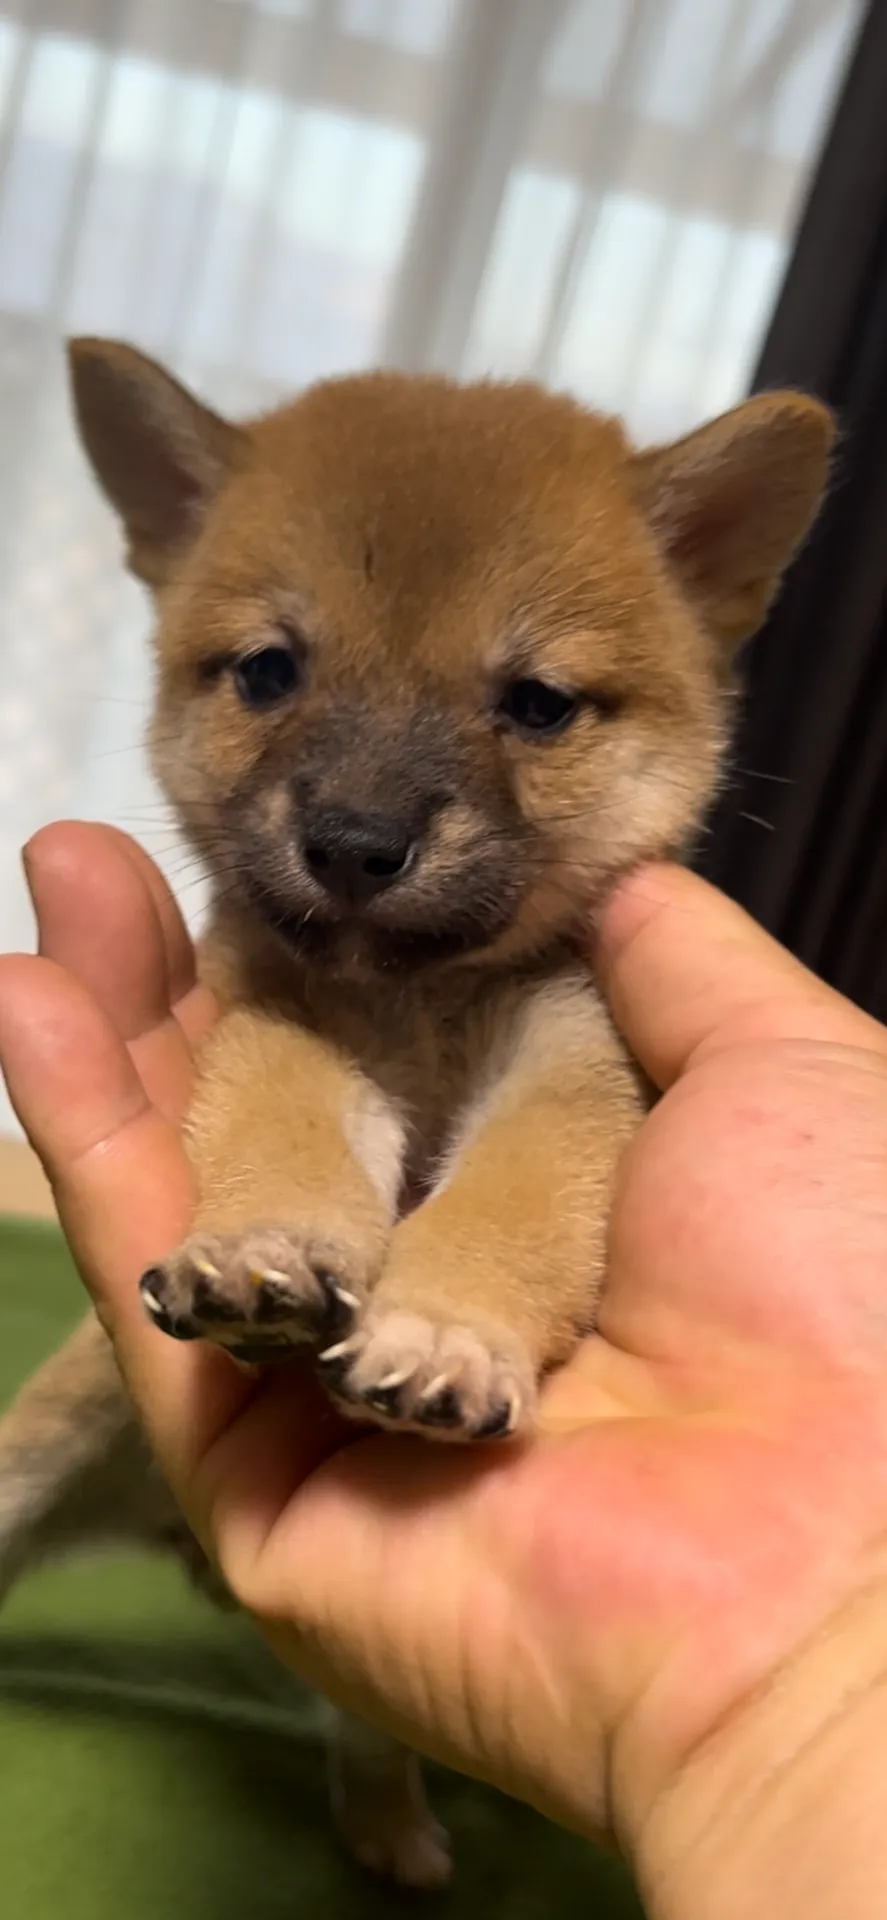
356 855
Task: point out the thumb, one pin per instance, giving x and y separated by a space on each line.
687 972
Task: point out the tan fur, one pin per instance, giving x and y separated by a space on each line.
417 547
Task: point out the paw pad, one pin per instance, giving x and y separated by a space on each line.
404 1371
258 1295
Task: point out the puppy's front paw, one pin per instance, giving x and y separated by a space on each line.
444 1379
258 1294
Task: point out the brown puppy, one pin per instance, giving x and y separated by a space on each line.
434 665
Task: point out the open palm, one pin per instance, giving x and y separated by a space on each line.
573 1617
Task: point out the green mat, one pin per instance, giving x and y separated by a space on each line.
156 1764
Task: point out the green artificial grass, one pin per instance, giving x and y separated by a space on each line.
156 1763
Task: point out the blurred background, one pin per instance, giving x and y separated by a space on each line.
657 205
603 194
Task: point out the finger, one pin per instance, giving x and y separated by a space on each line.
687 972
91 884
233 1448
123 1189
193 1003
180 958
101 915
98 919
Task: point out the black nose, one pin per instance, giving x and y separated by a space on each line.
356 855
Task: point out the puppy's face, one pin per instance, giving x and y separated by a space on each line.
436 662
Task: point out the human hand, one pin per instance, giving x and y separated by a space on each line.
595 1621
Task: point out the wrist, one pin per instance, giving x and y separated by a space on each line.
785 1802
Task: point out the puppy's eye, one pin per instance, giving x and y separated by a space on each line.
532 706
265 678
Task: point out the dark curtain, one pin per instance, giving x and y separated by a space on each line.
800 834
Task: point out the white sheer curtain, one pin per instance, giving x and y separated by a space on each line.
599 192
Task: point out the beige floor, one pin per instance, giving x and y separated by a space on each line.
23 1188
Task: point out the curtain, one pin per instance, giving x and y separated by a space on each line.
799 835
600 193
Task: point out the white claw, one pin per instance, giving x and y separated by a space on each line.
259 1274
512 1401
348 1299
339 1351
398 1378
151 1301
437 1385
207 1269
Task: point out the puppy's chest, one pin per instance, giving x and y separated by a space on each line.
435 1047
432 1055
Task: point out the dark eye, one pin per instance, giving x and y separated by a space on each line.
263 679
535 707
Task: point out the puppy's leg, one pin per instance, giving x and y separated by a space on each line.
298 1158
75 1470
380 1807
495 1278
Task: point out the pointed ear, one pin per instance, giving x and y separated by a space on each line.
730 503
158 454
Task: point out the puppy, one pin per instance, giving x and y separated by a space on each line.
434 665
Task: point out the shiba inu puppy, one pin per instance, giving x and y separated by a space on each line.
434 665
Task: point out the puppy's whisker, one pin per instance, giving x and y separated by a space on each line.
778 779
757 820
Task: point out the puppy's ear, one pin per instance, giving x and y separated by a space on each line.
158 454
730 503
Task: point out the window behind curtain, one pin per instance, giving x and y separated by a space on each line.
601 194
